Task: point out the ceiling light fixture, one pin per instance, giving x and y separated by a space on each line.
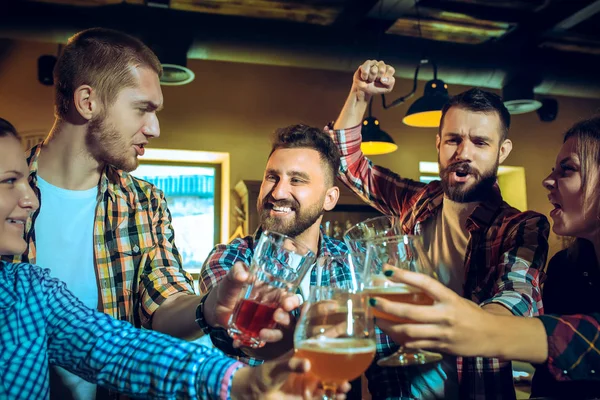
426 112
375 141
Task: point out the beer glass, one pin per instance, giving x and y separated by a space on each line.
335 331
278 266
404 252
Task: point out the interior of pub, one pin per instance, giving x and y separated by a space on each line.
361 199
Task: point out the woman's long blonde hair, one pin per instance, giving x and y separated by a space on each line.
587 146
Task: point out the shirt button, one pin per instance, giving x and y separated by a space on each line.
585 274
136 248
592 372
565 372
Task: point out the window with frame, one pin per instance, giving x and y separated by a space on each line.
196 191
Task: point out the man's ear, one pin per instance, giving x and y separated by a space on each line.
86 102
331 198
505 150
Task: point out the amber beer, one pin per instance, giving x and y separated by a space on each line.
337 360
399 293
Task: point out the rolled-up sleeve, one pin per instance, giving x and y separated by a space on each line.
161 271
377 186
521 269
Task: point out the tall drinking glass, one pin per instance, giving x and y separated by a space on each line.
335 331
278 266
404 252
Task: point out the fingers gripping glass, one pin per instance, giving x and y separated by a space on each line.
404 252
278 266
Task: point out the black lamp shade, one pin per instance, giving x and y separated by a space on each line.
426 112
374 140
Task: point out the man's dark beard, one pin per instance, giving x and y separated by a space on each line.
304 218
479 191
106 146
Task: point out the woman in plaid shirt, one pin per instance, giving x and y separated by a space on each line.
565 342
42 324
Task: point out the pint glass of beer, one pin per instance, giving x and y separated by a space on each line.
335 331
404 252
278 266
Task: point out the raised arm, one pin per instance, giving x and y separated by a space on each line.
370 79
377 186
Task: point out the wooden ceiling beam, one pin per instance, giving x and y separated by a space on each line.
529 34
575 19
497 14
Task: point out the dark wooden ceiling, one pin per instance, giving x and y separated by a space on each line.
564 25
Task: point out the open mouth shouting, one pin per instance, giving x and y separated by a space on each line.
557 207
461 173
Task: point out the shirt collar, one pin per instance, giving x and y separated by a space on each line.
9 297
482 216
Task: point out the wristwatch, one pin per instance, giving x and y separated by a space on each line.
206 328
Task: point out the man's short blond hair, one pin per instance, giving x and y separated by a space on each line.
101 58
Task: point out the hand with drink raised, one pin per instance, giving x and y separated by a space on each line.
452 325
222 300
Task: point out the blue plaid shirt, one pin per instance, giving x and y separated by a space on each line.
42 323
222 258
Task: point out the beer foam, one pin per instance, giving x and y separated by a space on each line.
391 288
338 346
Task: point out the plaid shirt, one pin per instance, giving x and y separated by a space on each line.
137 263
504 261
572 324
43 323
223 256
573 346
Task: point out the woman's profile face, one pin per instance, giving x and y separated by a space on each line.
17 200
573 213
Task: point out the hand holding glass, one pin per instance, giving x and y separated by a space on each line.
278 266
405 252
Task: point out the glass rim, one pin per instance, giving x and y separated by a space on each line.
394 238
366 221
296 242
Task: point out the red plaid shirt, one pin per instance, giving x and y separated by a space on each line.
504 261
